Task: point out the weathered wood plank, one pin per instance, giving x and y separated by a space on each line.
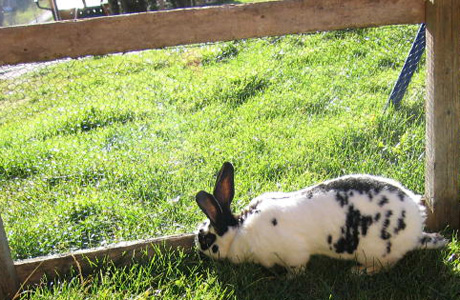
30 271
442 185
195 25
9 283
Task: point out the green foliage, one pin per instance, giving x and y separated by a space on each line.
104 149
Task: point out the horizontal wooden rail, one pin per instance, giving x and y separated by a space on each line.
31 271
159 29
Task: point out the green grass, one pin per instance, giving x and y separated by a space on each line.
105 149
175 275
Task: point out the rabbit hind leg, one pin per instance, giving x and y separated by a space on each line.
373 267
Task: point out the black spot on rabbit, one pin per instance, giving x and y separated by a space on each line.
361 185
247 212
254 206
384 234
329 241
215 248
384 200
388 247
342 198
401 225
274 222
355 224
366 222
364 186
369 186
370 196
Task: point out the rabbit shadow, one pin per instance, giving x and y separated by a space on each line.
419 275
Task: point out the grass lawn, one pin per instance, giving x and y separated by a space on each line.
113 148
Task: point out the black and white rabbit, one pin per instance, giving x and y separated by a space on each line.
371 219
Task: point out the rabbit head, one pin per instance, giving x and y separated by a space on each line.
215 235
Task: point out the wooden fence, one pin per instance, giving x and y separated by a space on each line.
195 25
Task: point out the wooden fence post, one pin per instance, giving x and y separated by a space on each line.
442 179
9 283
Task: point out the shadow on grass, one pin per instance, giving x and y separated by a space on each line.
419 275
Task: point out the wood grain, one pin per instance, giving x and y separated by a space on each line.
31 271
159 29
442 178
9 283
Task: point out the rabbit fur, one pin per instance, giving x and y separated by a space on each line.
372 219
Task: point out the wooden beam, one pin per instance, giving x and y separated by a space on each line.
31 271
159 29
442 186
9 283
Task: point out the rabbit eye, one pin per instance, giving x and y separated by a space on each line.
206 240
210 239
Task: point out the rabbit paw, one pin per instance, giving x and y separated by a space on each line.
367 269
294 271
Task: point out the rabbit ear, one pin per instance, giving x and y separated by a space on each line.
225 188
210 207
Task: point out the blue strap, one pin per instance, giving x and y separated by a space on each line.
410 65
